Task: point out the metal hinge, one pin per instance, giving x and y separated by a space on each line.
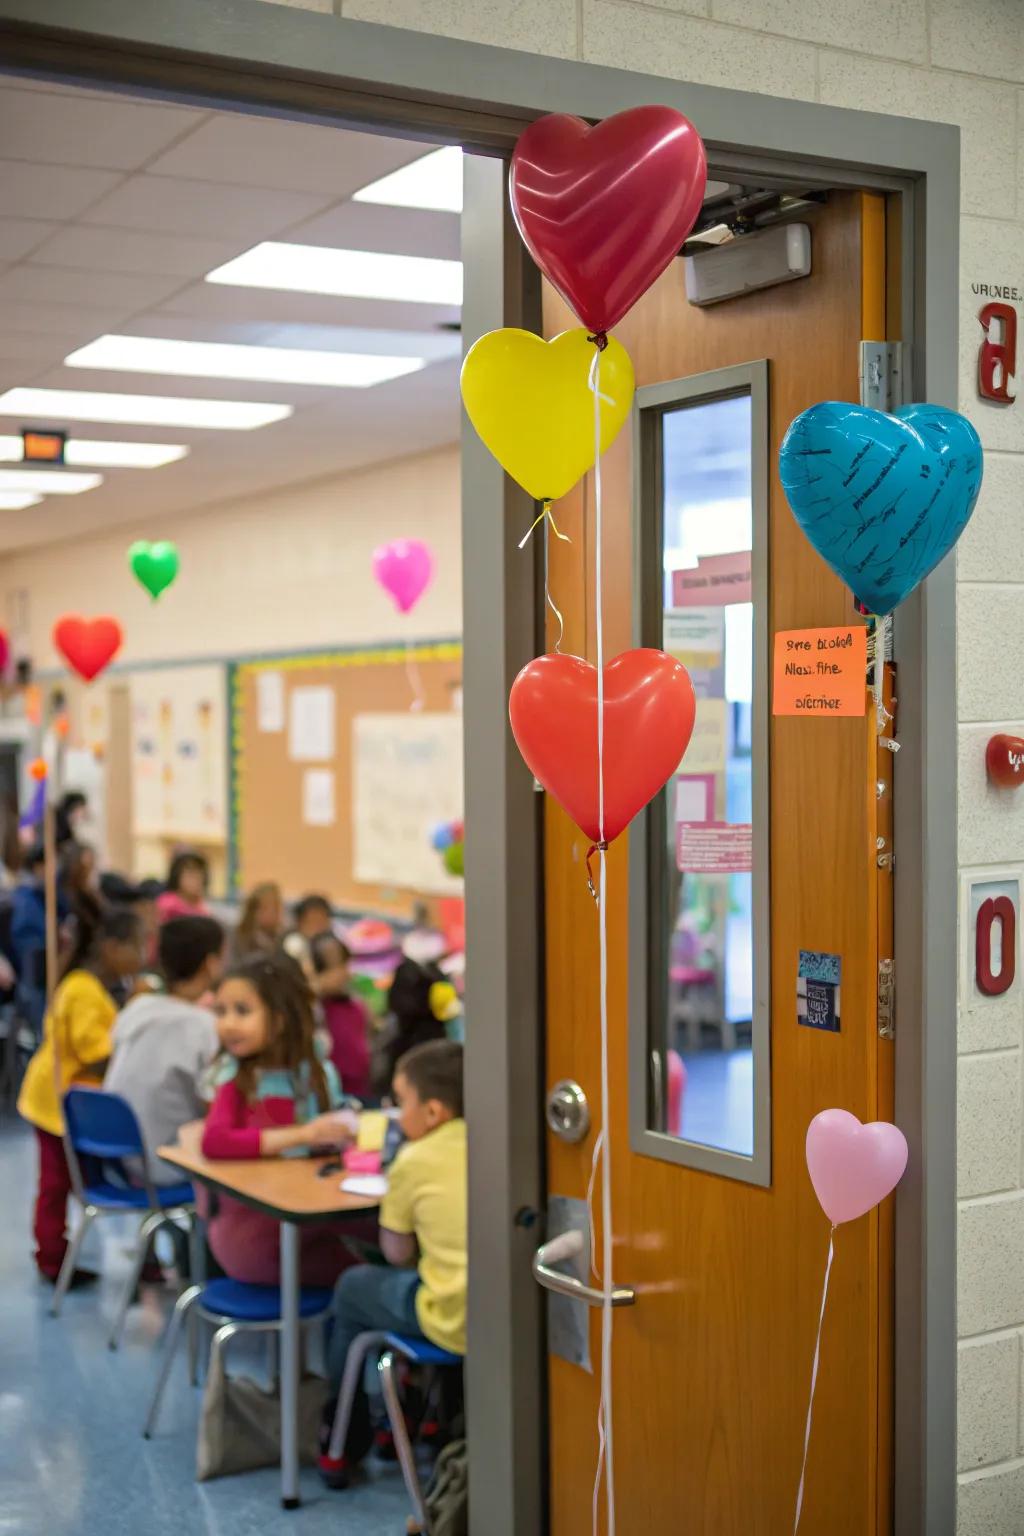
884 365
886 999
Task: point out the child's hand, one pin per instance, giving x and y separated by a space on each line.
334 1129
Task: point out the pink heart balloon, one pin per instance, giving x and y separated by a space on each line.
405 569
603 210
853 1166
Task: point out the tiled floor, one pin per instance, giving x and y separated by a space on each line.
72 1458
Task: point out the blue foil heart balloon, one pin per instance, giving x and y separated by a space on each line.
882 498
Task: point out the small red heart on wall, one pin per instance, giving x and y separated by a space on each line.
1004 759
87 645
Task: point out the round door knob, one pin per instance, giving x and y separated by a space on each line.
568 1113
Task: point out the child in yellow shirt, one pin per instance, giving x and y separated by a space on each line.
75 1048
422 1289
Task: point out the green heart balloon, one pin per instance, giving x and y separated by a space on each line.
454 859
154 565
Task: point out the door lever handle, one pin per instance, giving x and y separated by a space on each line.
569 1245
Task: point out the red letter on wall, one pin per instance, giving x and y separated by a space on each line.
998 908
997 360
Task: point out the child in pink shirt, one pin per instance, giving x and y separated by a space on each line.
345 1018
274 1099
185 896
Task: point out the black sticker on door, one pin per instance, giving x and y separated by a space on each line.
817 990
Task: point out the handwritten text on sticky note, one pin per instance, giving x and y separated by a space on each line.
821 672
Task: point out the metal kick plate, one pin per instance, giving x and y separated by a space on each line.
569 1320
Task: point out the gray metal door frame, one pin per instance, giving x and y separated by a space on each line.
268 59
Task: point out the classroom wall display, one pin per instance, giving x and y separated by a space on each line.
306 807
179 767
406 776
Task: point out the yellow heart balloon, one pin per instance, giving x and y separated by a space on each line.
532 403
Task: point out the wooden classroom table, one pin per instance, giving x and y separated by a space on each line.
290 1190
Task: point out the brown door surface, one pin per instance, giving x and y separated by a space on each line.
712 1364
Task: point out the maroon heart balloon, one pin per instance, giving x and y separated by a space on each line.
604 210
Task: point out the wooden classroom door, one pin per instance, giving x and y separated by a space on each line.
711 1365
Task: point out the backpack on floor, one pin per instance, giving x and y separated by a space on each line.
447 1498
240 1423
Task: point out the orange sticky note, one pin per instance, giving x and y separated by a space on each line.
821 673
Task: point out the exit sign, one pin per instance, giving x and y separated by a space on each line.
42 447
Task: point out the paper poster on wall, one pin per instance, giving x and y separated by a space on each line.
318 797
178 753
311 725
718 579
695 797
406 778
696 638
270 701
706 752
714 847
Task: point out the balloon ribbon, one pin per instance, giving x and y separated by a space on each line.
605 1446
814 1376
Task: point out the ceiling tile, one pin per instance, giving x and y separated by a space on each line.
372 227
222 302
73 323
90 248
50 191
121 293
78 130
18 236
268 152
204 208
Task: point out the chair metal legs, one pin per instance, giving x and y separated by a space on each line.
403 1445
67 1269
150 1225
181 1308
354 1363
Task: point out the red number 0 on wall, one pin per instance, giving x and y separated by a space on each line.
995 909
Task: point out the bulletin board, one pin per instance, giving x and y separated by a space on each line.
315 739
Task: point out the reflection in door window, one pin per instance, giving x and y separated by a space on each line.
705 1049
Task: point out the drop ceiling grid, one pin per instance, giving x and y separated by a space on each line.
125 205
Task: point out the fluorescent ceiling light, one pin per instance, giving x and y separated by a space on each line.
49 482
140 410
225 360
94 453
344 274
17 501
434 181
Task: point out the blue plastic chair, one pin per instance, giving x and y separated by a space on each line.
232 1306
416 1351
100 1133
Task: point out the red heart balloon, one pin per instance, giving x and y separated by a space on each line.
604 210
87 645
1004 759
649 710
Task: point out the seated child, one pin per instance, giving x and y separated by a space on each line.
345 1018
259 927
185 893
422 1289
273 1096
164 1041
75 1048
421 1002
311 917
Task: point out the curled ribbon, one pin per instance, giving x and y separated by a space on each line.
545 512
